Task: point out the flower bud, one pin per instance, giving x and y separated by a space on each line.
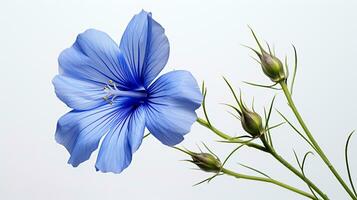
251 122
206 162
272 67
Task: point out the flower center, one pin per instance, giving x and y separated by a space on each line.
112 92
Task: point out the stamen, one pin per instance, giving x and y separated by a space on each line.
113 92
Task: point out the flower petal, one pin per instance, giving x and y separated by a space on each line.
78 94
95 57
81 131
121 142
146 48
170 111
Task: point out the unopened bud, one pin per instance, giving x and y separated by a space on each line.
251 122
272 67
206 162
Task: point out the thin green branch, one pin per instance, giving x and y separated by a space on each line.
267 180
269 112
230 155
263 86
313 141
255 170
301 166
295 129
146 135
233 92
227 137
286 66
275 126
204 93
292 168
295 70
347 163
267 131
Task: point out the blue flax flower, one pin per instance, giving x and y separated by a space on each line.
112 92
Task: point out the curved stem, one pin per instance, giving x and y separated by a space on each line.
264 149
313 141
293 169
267 180
227 137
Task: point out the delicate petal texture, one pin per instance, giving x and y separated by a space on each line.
122 141
78 94
145 47
136 128
95 57
170 111
95 68
81 131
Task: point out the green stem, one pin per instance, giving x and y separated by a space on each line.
293 169
264 149
267 180
313 141
227 137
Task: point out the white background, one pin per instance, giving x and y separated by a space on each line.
205 38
